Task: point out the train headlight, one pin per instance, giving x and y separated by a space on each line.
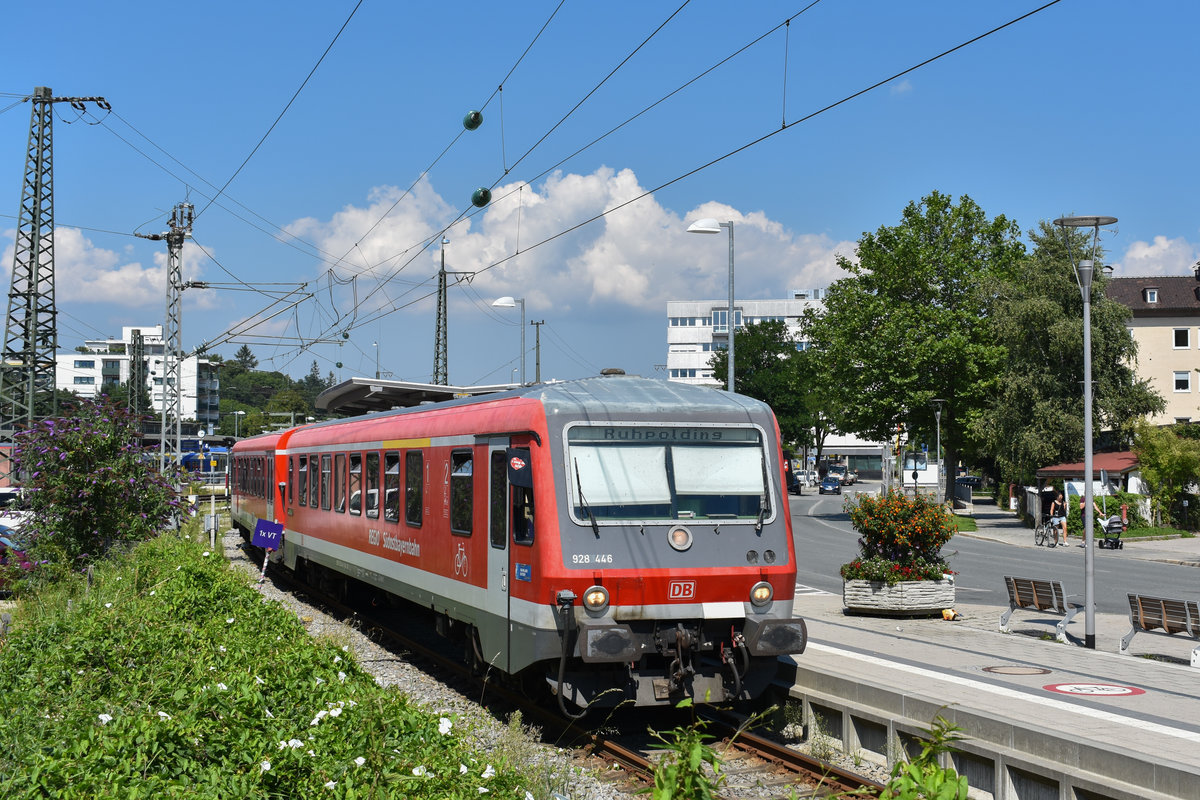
761 593
680 538
595 598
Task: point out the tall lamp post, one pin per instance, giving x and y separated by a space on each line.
1084 271
237 416
510 302
709 225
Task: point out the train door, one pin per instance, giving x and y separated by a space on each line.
499 570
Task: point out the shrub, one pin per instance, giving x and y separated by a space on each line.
901 539
90 485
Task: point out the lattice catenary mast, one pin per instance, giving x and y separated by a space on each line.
27 365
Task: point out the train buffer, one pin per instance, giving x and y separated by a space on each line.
1037 594
1163 616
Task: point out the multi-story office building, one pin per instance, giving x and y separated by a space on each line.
102 363
696 328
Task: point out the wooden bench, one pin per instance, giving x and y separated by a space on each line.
1036 594
1163 616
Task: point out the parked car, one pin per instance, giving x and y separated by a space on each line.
831 484
974 481
811 478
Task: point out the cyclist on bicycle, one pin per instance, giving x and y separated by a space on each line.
1058 516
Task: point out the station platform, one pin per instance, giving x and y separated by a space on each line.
1042 719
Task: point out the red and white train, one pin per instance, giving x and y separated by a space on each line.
626 539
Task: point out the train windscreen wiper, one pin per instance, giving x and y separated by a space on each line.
583 502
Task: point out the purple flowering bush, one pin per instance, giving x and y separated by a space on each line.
89 485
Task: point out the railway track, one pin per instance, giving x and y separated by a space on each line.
619 746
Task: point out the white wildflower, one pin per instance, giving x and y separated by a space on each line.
342 677
259 680
222 687
335 712
221 647
419 771
320 681
266 765
462 769
206 554
337 659
359 761
153 592
163 715
108 605
330 784
229 620
481 790
269 714
444 726
105 719
489 772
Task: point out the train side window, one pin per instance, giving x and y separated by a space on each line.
302 481
291 479
461 490
413 483
339 482
391 486
497 495
314 481
373 485
355 488
326 481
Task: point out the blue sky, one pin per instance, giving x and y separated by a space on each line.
1085 107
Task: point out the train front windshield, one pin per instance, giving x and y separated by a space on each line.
666 473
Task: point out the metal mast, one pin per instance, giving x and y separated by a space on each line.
181 229
441 370
27 366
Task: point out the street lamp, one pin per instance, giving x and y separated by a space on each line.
376 346
709 225
510 302
237 416
937 415
1084 270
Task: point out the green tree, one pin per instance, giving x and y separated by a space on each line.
90 484
245 357
1035 416
1169 464
910 323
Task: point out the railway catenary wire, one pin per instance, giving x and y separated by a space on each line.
619 748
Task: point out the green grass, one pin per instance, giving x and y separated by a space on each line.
169 675
965 524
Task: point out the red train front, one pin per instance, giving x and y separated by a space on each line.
627 539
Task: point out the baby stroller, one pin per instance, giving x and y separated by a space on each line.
1112 528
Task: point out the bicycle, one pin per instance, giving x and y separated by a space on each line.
1046 534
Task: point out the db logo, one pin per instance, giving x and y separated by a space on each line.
681 590
517 463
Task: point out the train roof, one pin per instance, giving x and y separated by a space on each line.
611 394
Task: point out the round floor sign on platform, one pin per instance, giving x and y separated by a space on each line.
1094 689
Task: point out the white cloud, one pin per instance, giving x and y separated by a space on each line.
85 273
1162 257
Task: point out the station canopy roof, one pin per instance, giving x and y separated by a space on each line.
364 395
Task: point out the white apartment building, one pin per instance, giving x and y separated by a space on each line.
108 362
696 328
1166 327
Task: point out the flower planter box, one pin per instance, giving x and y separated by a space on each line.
907 598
